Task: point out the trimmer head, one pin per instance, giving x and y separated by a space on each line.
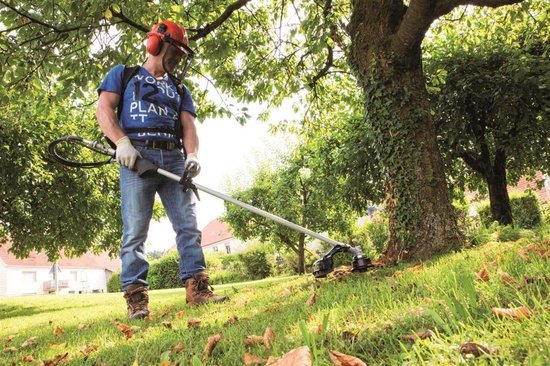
322 267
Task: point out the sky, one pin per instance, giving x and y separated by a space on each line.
228 152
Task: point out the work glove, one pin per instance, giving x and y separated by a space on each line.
126 154
192 165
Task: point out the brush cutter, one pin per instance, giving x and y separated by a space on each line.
321 267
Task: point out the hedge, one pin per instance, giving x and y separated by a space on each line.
525 211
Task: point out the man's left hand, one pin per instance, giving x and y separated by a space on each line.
192 165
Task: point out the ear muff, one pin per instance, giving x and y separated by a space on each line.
154 39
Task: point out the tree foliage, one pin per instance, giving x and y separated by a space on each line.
296 192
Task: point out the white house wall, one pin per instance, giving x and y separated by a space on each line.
2 279
236 246
87 280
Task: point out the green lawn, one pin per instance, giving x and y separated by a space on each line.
364 315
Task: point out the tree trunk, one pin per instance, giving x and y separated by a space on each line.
301 254
422 222
498 191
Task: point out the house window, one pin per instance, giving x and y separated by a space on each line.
83 276
74 276
215 249
228 248
29 277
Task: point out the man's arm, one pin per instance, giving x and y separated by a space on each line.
126 154
190 143
190 138
106 116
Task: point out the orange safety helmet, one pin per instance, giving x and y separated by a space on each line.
166 31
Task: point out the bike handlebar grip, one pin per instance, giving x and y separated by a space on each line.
144 166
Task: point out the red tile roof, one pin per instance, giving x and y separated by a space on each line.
88 260
524 184
214 232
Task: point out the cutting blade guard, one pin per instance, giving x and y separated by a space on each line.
322 267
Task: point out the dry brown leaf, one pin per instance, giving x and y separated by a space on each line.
167 325
272 307
10 349
506 278
58 331
286 292
531 248
180 314
9 339
57 360
84 326
57 345
250 360
471 348
319 329
178 348
193 323
417 268
397 274
515 313
29 342
28 358
311 300
232 320
421 335
164 314
126 329
340 359
271 361
86 350
269 336
297 357
253 339
210 344
483 274
417 310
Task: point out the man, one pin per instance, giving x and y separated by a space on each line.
151 109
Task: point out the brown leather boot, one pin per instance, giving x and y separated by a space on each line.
199 292
137 299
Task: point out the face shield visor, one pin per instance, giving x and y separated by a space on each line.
178 58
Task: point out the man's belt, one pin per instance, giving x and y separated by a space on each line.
156 144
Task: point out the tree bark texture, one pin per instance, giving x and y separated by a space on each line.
501 210
422 222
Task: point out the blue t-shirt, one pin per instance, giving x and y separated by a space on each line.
148 102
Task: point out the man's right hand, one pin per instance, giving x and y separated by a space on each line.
126 154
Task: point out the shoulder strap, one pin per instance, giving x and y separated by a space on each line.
179 127
129 72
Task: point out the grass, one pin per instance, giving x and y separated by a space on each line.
364 315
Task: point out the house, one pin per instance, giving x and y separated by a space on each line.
542 193
35 274
217 237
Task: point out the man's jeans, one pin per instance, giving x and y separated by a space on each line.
138 196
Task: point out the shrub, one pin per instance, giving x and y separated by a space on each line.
525 211
223 277
508 233
255 262
164 272
113 284
371 236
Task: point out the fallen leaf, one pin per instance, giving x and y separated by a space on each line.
253 339
178 348
193 323
349 335
506 278
58 331
28 358
340 359
10 349
272 307
210 344
418 267
312 299
57 345
319 329
421 335
483 274
515 313
167 325
86 350
164 314
9 339
57 360
250 360
286 292
180 314
29 342
417 310
127 330
471 348
271 361
269 336
531 248
297 357
84 326
232 320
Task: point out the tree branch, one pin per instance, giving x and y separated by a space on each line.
127 20
29 17
443 7
473 162
207 29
